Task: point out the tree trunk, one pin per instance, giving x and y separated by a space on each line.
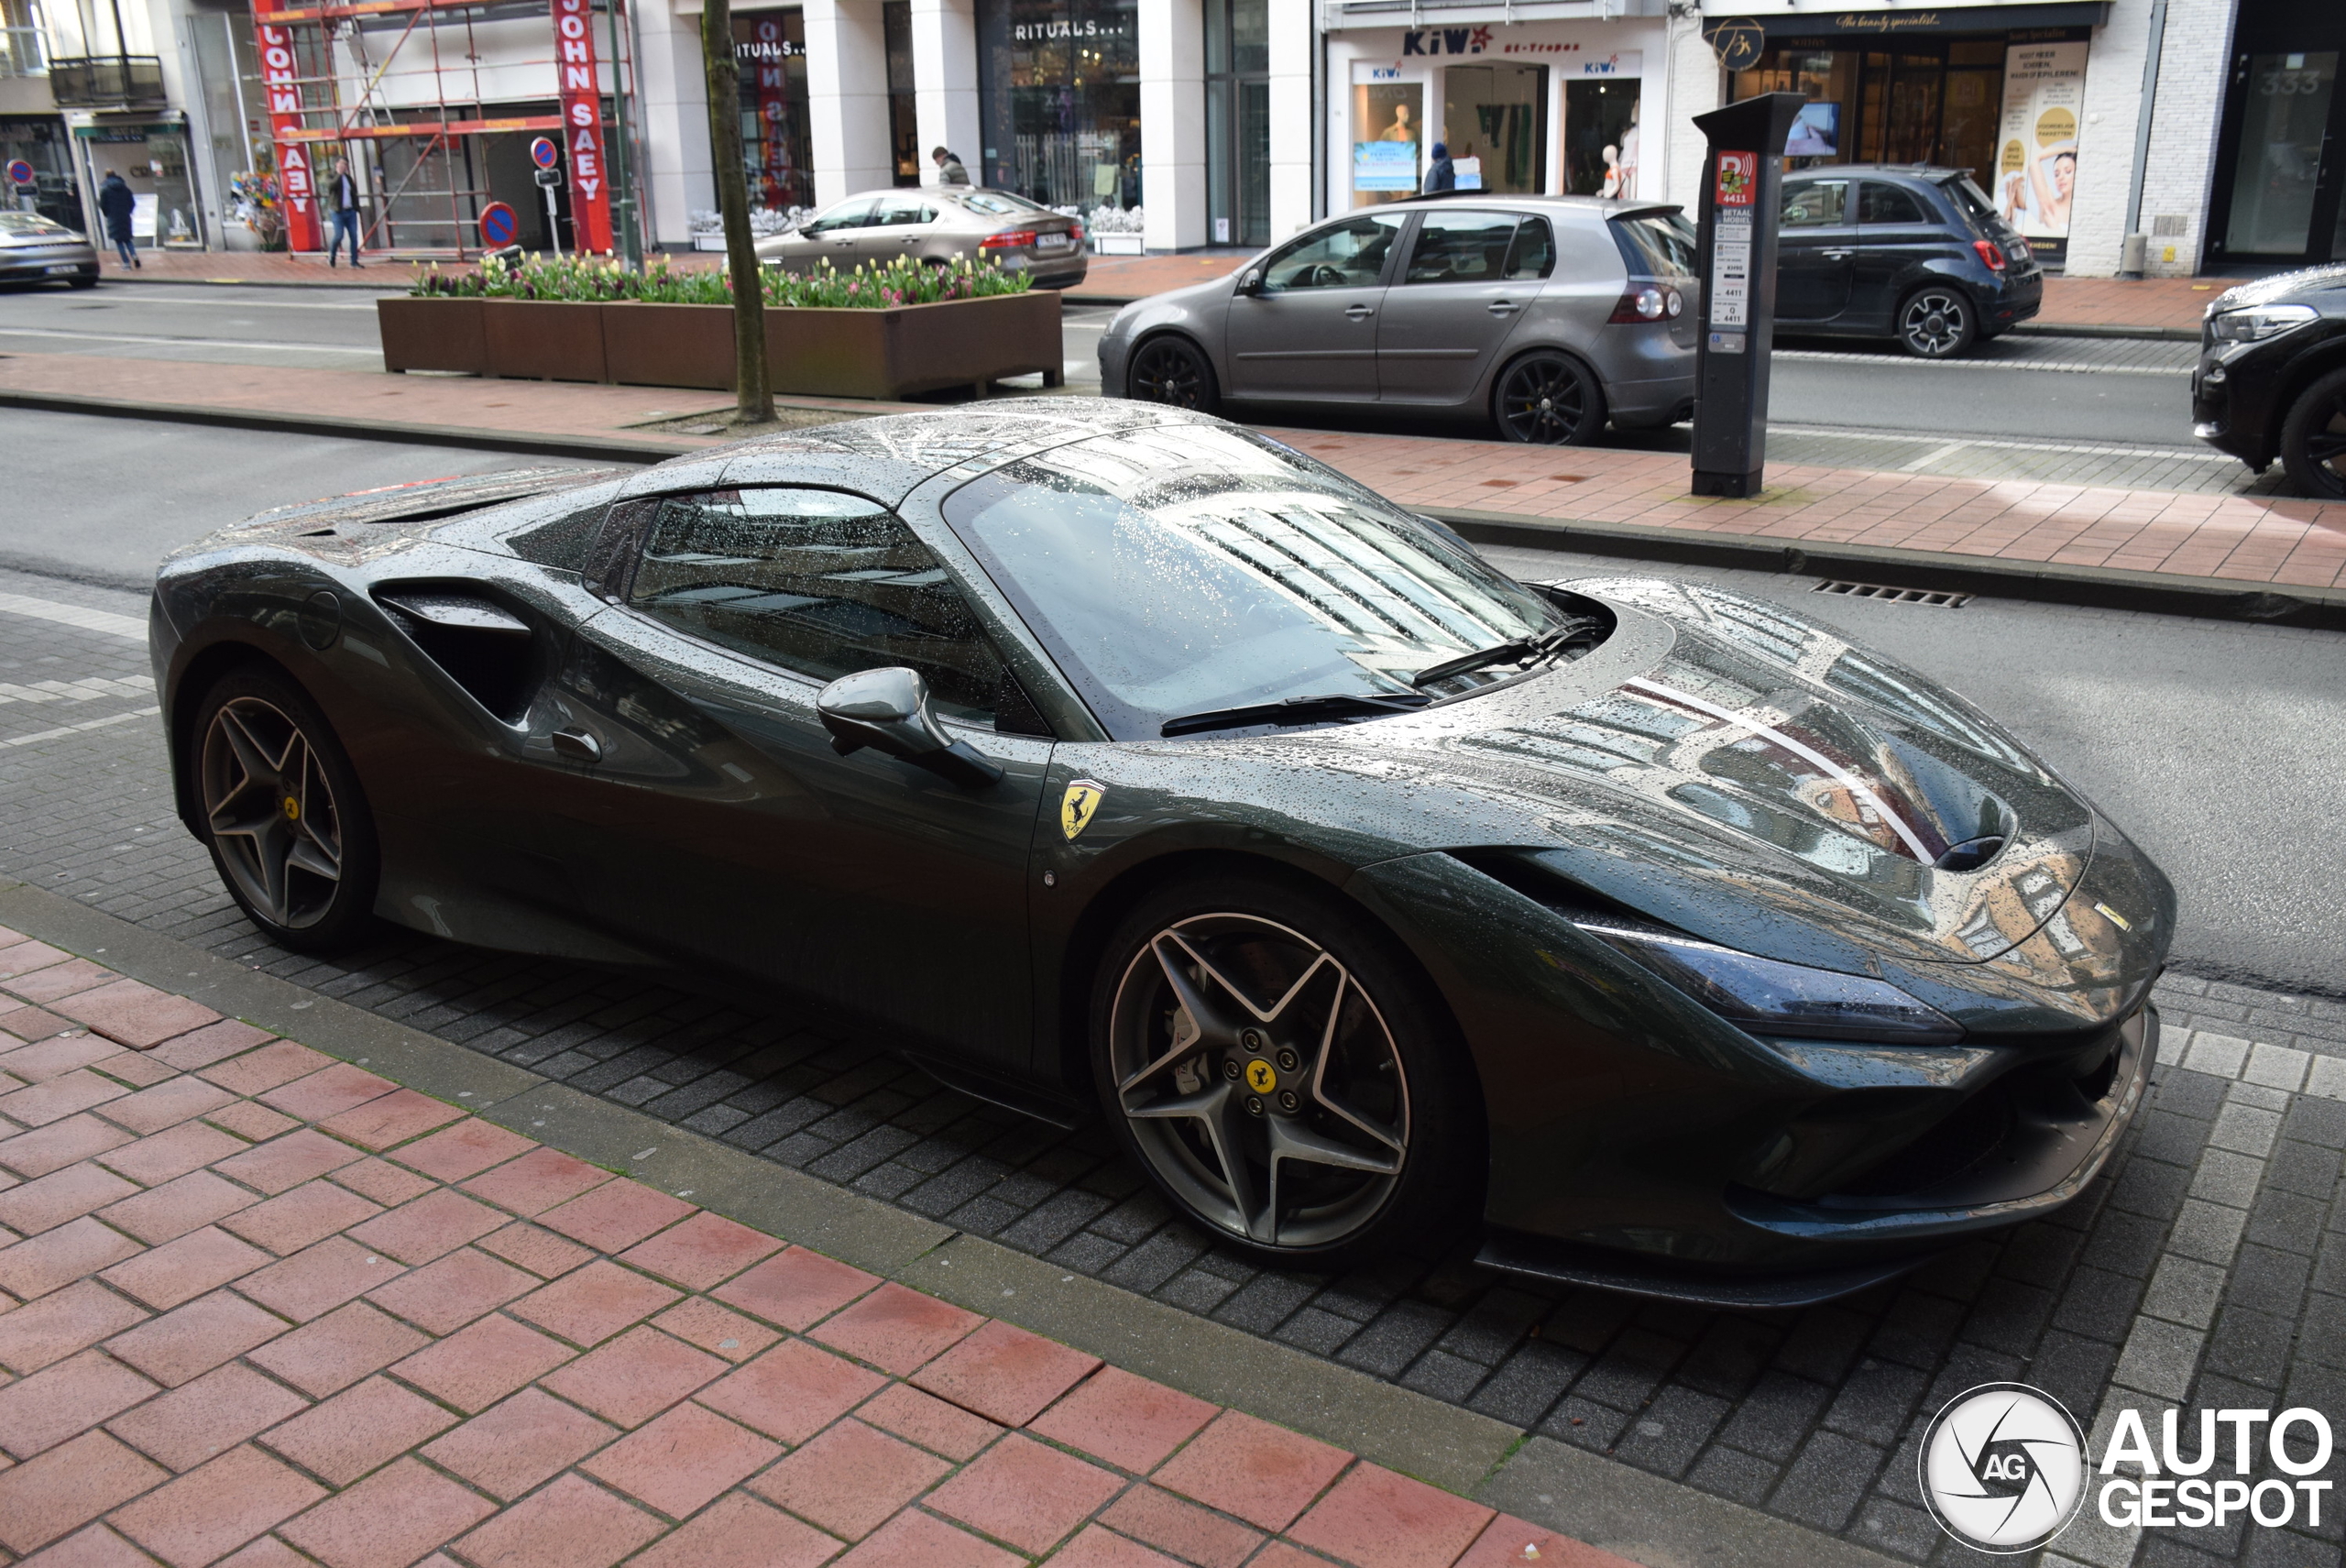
754 398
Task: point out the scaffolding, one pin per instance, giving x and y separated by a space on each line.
416 82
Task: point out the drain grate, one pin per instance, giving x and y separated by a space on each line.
1895 596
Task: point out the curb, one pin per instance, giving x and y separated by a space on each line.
2098 588
1603 1502
2097 329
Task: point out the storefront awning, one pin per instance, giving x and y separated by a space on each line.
1777 24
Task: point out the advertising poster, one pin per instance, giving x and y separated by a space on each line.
2036 142
1387 120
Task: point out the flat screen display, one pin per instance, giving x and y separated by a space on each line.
1817 132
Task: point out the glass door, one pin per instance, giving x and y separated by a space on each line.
1238 122
2281 203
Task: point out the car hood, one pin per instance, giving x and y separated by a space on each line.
2322 286
1756 779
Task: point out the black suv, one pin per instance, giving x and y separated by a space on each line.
2271 377
1912 253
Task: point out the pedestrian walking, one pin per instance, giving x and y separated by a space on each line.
345 213
115 203
1440 174
949 167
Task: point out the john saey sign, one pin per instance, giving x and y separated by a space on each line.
582 125
297 184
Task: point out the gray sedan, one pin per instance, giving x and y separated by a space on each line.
1548 315
936 223
35 250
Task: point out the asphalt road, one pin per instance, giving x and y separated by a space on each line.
2217 746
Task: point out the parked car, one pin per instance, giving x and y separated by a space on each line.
35 250
1550 316
936 223
2271 380
1114 761
1912 253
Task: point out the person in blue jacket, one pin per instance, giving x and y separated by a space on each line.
1440 174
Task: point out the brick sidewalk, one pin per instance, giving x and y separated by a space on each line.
2151 304
257 1302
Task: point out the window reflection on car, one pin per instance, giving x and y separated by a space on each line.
1347 254
1481 247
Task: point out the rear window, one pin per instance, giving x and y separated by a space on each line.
1656 245
1968 199
997 203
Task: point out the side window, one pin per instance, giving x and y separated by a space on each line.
1816 204
1349 255
893 210
846 215
1457 247
1533 254
1879 204
818 583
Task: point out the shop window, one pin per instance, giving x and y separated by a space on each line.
1058 97
903 125
1238 121
1387 137
771 46
1496 114
2277 168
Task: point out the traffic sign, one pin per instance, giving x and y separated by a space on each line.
20 172
549 178
498 225
542 153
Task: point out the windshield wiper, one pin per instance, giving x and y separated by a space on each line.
1514 651
1296 710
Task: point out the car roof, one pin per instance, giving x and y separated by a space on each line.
1930 172
1593 206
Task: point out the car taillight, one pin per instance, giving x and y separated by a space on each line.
1006 239
1075 233
1989 254
1647 303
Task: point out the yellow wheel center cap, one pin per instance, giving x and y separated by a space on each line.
1260 1077
292 809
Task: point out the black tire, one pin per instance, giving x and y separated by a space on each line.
1175 372
2313 439
1937 320
1381 1134
83 282
1548 399
262 755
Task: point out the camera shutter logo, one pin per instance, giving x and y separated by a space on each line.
2003 1468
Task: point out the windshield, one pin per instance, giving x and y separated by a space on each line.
1186 569
995 203
1658 244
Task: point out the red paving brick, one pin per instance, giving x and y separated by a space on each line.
67 979
136 1015
850 1479
1005 1374
216 1507
1128 1421
1264 1474
1026 1493
59 1098
1378 1519
697 1433
1504 1541
797 1290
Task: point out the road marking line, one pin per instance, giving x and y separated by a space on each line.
2068 367
78 728
130 626
186 342
1927 459
2183 454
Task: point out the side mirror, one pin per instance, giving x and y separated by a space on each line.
887 711
1251 282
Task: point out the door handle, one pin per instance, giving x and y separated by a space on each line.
1502 307
1837 255
578 745
1360 312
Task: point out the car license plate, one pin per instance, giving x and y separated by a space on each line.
68 267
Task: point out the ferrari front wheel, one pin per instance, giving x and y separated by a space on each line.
1266 1055
282 813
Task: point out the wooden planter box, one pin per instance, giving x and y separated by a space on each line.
836 354
433 334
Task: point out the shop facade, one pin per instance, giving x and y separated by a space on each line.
2281 152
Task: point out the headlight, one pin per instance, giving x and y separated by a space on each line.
2258 323
1763 996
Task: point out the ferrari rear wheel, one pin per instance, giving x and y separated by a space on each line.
1173 371
1261 1053
284 815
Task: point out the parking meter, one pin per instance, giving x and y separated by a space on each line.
1741 199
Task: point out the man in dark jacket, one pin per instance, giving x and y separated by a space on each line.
951 170
344 191
115 203
1440 174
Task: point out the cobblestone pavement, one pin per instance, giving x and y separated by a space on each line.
2201 1267
255 1300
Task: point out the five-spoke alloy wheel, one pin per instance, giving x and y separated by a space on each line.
1278 1087
1548 400
282 813
1936 322
1173 371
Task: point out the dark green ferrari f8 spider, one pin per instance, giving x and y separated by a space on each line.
1116 760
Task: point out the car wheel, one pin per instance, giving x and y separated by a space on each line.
2313 439
1265 1055
83 282
1174 372
1548 400
283 815
1936 322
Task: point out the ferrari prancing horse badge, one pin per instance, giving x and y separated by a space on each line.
1079 806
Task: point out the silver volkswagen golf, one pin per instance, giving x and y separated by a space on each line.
1550 316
